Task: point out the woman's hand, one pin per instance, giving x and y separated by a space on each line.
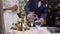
14 8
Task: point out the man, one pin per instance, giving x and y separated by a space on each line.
10 8
39 7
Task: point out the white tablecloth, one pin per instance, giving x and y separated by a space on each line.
39 30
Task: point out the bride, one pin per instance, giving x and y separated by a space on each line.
10 8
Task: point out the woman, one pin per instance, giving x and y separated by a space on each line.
39 7
10 8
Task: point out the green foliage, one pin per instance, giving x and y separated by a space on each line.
21 6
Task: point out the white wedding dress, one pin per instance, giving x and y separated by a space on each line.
10 16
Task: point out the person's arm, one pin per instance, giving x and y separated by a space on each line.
14 8
6 8
28 5
44 14
45 10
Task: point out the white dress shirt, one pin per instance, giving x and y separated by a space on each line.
39 3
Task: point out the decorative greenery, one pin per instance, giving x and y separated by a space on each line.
21 6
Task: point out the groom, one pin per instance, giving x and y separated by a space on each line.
39 7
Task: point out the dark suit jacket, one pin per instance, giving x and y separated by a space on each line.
32 5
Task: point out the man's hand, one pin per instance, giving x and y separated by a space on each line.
30 16
42 20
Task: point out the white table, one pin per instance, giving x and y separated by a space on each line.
39 30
